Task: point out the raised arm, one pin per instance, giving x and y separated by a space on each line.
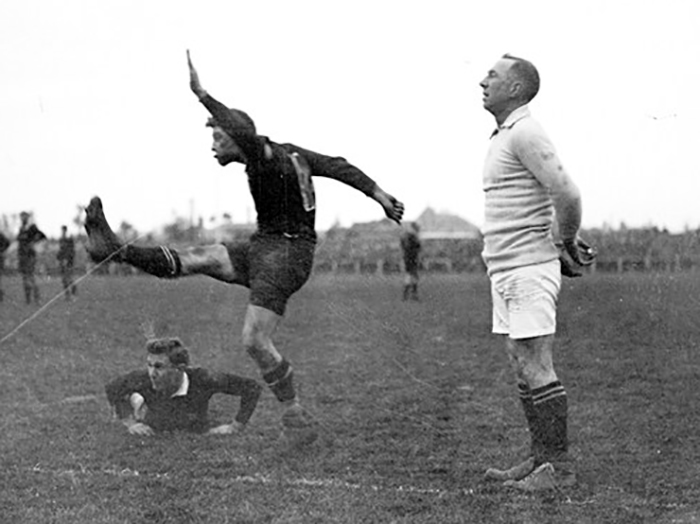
241 131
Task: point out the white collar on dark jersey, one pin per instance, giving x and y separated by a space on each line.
184 386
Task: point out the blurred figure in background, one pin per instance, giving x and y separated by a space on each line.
27 238
66 260
411 246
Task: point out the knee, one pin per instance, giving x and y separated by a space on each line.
252 339
259 347
537 373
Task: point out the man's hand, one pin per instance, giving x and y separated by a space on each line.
574 255
227 429
196 87
392 207
139 428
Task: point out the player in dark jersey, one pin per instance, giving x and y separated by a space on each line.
410 246
170 395
29 235
277 259
66 261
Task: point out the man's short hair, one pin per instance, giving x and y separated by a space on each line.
172 347
240 118
526 72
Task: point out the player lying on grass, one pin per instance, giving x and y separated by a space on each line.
170 395
277 259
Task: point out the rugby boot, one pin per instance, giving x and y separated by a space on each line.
299 428
517 472
545 477
102 243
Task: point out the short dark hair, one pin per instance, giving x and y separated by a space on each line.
240 118
172 347
526 72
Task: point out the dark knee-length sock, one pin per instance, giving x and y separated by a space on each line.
160 261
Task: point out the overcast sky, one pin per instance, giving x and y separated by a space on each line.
95 100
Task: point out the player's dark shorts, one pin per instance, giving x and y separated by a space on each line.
273 267
411 264
27 265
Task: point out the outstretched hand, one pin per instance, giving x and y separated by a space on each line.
392 207
195 85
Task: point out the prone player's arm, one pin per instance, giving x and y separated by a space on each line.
343 171
249 392
120 392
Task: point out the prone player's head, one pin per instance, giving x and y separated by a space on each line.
225 148
167 359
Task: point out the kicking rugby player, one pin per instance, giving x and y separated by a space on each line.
278 258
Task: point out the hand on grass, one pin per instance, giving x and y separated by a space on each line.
227 429
139 428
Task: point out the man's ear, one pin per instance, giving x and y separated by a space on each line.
516 88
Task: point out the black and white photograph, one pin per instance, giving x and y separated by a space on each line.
392 262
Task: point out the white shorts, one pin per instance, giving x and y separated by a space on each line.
525 300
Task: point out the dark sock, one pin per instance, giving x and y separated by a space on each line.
280 381
160 261
529 409
551 413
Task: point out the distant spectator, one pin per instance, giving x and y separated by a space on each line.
29 235
411 246
4 245
169 395
66 259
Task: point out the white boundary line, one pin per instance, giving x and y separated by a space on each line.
257 478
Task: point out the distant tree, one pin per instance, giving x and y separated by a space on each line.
178 231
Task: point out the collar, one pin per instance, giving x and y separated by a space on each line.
184 386
515 116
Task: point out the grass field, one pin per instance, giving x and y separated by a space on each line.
415 401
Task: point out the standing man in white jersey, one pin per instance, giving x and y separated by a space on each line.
527 190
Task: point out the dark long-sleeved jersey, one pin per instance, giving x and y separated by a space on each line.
185 412
410 244
66 251
279 176
26 238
